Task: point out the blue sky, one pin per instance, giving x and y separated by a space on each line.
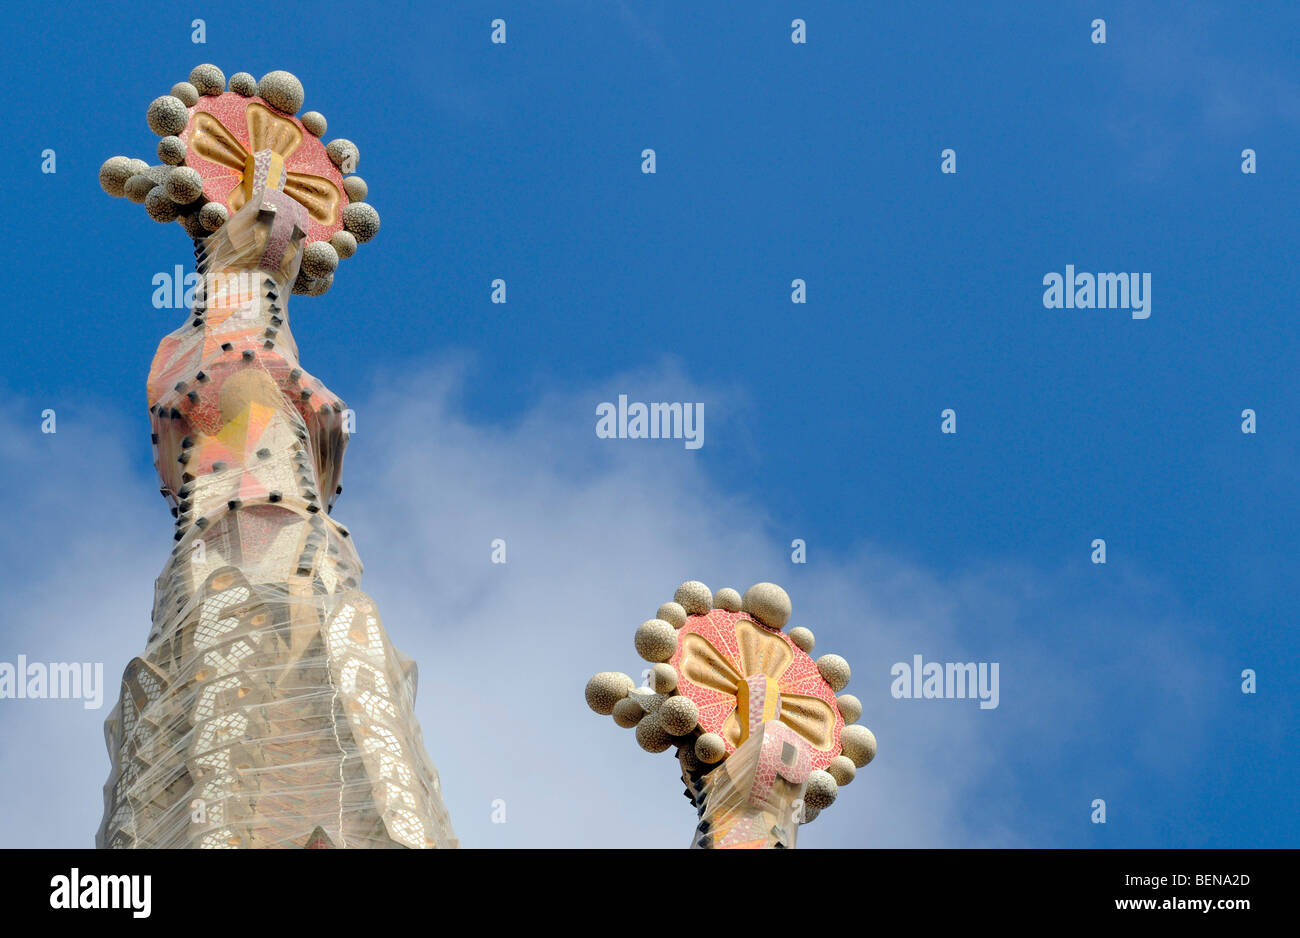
775 161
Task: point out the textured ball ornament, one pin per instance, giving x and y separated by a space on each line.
157 173
315 123
842 770
663 678
606 689
138 187
673 614
651 735
167 116
213 215
803 639
821 789
679 715
810 814
356 189
655 640
171 150
694 597
114 174
282 90
728 599
767 603
850 707
344 154
686 756
186 92
858 743
243 83
344 243
320 259
193 225
160 206
319 286
710 748
361 219
628 713
184 185
834 671
208 79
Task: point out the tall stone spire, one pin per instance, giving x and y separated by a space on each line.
269 708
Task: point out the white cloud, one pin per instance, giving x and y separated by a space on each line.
598 533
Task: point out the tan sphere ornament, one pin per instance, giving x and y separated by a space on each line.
138 187
803 639
208 79
160 206
694 597
362 220
850 707
184 185
606 689
651 735
243 83
842 769
858 743
344 243
663 678
767 603
655 640
834 671
282 90
344 154
319 285
355 187
167 116
672 613
186 92
319 259
193 225
821 789
171 150
114 174
315 123
710 748
679 715
628 713
726 599
213 215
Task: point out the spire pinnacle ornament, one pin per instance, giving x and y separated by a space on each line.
269 708
760 734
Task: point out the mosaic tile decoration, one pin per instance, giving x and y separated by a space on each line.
269 707
760 735
714 650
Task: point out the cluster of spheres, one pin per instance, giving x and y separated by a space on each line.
664 718
172 191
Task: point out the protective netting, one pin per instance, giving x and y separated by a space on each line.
269 708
